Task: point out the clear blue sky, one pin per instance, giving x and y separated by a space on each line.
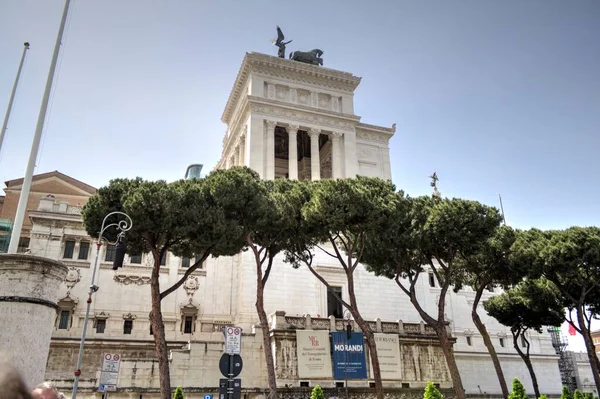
496 96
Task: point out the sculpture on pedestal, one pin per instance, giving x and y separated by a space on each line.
434 180
312 57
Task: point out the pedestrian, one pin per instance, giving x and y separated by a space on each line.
45 391
12 385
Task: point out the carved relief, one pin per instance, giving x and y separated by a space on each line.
128 280
270 90
281 92
294 95
191 285
325 101
73 277
314 99
335 102
379 138
303 97
299 116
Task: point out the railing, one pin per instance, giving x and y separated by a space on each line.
69 209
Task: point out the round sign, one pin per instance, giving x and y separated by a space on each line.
107 356
225 365
116 357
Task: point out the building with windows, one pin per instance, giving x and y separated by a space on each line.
285 119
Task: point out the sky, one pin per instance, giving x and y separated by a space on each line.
497 97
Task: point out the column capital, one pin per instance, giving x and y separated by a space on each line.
271 124
336 136
292 129
314 132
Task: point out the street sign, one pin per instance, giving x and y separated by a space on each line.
233 340
225 365
109 374
230 388
209 396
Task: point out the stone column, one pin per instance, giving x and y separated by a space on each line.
293 152
236 155
270 161
29 289
350 162
336 160
242 150
315 161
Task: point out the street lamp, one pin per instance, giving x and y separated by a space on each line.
348 318
122 226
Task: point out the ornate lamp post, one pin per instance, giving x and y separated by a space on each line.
122 226
348 318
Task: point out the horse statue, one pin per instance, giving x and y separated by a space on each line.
312 57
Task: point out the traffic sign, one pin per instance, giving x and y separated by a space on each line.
109 374
230 388
233 340
225 365
209 396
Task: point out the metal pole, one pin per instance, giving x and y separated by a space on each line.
12 94
123 226
26 188
93 288
502 209
230 389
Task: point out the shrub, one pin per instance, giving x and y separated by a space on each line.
518 391
588 395
578 394
431 392
543 397
317 393
565 394
178 393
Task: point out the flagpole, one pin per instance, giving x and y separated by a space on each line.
12 94
26 188
502 209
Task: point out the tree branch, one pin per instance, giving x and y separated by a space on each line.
337 252
268 271
327 252
187 273
360 251
322 280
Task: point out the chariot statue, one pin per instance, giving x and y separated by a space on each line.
312 57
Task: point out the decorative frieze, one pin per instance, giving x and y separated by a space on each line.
128 279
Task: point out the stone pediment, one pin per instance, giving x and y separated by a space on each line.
55 183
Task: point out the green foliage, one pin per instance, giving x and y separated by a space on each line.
531 304
317 393
518 391
543 397
565 393
181 217
431 392
577 394
178 394
588 395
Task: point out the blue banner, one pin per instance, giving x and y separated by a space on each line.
349 360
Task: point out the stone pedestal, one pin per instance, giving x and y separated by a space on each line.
29 289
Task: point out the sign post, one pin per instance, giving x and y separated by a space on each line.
231 364
109 375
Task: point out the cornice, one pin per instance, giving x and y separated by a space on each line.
290 70
302 117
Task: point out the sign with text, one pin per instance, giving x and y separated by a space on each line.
313 353
388 353
109 374
349 359
233 340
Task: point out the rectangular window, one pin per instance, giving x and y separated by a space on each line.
163 260
339 384
469 342
23 245
84 250
135 259
110 253
196 260
100 326
431 280
69 248
304 384
502 342
127 326
187 327
63 323
523 342
185 263
151 331
334 307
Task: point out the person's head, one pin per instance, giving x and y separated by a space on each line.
45 391
12 385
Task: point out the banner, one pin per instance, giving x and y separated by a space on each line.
313 353
388 353
349 359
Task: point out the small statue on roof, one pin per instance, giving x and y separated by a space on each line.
279 42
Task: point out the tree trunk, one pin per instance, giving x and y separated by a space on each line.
364 326
527 361
158 329
488 343
442 334
589 345
264 325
